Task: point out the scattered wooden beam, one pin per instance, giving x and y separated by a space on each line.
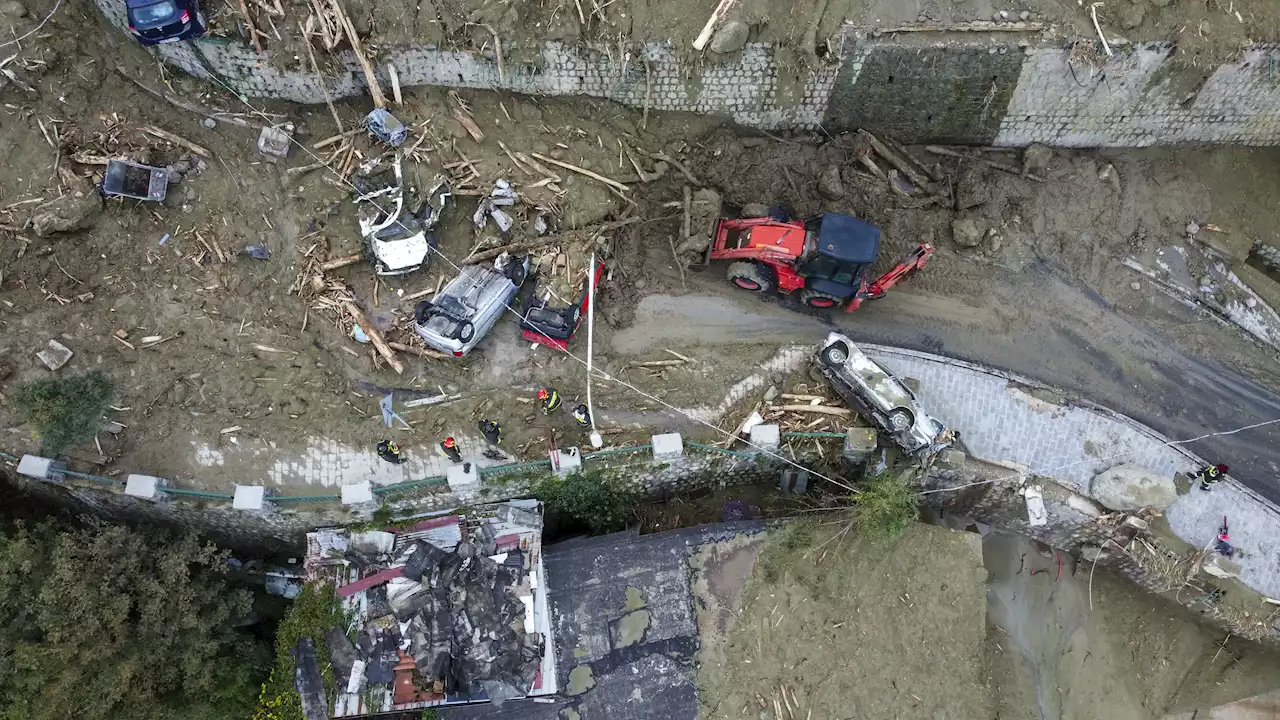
375 336
937 150
335 139
395 84
315 68
582 171
176 140
341 262
920 181
420 352
820 409
370 78
704 37
248 26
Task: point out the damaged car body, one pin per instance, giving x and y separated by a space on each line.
881 397
459 317
397 240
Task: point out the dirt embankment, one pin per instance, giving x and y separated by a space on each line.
941 623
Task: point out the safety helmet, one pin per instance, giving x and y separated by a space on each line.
449 442
1222 468
542 394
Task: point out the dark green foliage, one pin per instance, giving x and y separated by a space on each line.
105 622
313 612
586 501
65 411
886 505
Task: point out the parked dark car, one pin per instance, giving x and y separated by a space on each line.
164 21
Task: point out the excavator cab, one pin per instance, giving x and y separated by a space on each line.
838 251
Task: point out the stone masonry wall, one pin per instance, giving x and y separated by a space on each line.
989 88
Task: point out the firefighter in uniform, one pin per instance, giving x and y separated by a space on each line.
492 432
389 450
582 416
550 400
1211 475
450 448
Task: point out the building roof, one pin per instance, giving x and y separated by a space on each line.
451 611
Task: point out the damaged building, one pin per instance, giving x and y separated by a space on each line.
449 611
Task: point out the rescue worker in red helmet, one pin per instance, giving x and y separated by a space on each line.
550 400
1211 475
450 448
389 450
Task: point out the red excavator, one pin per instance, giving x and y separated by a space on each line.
825 257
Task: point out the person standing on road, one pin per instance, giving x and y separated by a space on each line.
1211 475
582 416
492 432
389 450
550 400
450 448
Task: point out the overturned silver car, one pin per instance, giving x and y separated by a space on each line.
881 397
459 317
397 240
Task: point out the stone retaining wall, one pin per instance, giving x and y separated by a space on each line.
980 88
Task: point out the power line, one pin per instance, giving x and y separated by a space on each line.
599 373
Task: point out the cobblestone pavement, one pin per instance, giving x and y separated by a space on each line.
1000 418
327 463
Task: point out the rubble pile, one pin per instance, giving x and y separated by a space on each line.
444 612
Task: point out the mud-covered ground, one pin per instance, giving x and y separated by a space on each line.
943 623
241 347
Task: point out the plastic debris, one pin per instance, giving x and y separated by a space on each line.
359 334
501 195
164 239
389 415
384 126
257 252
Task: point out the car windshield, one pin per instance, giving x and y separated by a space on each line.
159 12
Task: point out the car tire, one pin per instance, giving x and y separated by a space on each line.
577 315
749 276
816 374
836 353
901 419
819 300
466 331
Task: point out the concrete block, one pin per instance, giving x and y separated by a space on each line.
275 141
1132 487
1036 513
794 481
567 461
766 437
462 476
35 467
146 487
55 356
1221 567
859 443
667 445
357 493
952 458
249 497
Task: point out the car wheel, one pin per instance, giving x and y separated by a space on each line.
821 300
577 314
815 373
836 354
466 331
749 276
901 419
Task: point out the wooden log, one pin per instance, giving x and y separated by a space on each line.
315 68
820 409
370 78
375 336
334 139
919 180
248 26
704 37
176 140
420 352
341 262
395 83
938 150
582 171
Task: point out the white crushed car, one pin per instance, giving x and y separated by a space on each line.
398 241
464 311
881 397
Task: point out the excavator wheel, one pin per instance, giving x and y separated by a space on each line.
749 276
821 300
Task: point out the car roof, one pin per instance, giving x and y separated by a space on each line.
848 239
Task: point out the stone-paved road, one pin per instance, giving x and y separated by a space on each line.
1068 337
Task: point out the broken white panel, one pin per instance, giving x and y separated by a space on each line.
357 493
1220 567
567 461
373 542
356 681
35 466
1036 513
529 626
667 445
462 475
766 437
143 486
249 497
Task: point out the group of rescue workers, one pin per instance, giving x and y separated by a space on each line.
392 452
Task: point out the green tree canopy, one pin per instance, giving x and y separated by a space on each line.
104 622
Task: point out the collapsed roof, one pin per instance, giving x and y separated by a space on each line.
451 610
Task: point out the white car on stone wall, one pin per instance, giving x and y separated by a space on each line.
882 398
